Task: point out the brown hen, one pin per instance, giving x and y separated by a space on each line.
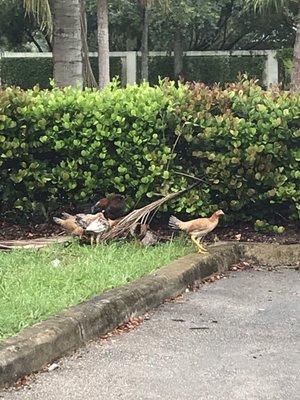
69 224
197 228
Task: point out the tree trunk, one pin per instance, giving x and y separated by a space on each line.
178 54
144 45
295 80
67 44
88 75
103 43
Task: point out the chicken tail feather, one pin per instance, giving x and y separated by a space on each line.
66 215
174 222
80 221
57 220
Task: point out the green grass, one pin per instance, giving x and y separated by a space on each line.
32 288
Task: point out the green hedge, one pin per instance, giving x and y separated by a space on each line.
207 69
285 64
28 72
60 147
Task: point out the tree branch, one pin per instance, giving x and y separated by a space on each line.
34 41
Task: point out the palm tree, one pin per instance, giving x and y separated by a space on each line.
41 10
67 43
145 5
88 75
282 4
103 43
64 16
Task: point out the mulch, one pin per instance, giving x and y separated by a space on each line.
10 231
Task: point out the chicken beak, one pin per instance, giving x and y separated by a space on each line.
95 208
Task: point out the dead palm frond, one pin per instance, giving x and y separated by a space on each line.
41 11
140 216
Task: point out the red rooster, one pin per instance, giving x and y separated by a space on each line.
112 207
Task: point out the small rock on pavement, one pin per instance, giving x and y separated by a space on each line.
52 367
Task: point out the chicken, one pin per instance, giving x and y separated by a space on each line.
197 228
81 224
84 220
69 224
98 226
112 207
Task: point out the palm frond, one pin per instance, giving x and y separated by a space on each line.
140 215
41 11
148 3
263 5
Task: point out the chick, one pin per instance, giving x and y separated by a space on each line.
197 228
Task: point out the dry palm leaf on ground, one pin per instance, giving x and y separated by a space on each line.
140 216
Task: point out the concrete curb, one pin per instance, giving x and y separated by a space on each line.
272 254
44 342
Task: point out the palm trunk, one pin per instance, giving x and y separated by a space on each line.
144 45
295 80
178 53
88 75
67 43
103 43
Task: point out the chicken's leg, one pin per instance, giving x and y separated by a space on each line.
98 239
204 249
200 248
92 239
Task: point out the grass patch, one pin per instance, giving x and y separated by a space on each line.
32 288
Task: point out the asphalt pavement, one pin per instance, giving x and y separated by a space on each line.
235 339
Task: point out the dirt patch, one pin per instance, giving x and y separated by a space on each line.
244 233
291 235
10 231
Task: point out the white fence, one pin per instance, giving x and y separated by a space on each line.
129 60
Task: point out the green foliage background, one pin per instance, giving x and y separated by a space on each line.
58 148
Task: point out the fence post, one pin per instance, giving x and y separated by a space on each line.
124 71
271 69
1 52
130 67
